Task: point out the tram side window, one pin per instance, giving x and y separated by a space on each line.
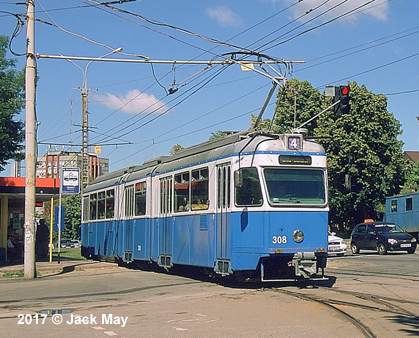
199 189
140 198
110 203
93 206
166 195
182 192
86 211
129 200
249 193
101 200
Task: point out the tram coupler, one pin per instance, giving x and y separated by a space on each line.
304 264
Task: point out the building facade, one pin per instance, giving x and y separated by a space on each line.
49 165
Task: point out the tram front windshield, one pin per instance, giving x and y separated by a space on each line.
291 186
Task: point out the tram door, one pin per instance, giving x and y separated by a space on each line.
128 225
165 222
223 215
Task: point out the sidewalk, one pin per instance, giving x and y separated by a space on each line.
65 266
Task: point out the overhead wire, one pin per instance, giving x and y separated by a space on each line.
307 30
171 26
318 26
163 24
172 107
159 23
373 69
159 115
373 43
288 24
17 30
53 23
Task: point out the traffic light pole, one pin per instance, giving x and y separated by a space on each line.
316 116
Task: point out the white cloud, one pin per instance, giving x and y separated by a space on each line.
378 9
224 16
133 102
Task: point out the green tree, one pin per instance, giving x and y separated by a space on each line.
362 147
11 103
412 179
72 217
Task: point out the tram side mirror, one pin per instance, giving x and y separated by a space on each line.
238 178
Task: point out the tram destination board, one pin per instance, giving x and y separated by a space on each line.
295 160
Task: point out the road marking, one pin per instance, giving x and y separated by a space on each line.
98 328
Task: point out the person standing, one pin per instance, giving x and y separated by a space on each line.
42 239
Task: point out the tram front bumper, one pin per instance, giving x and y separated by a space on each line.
304 263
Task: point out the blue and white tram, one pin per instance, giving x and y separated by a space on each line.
249 204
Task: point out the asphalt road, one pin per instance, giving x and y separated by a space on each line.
124 302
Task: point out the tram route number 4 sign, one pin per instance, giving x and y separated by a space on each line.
70 180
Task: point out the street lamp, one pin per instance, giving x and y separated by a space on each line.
85 126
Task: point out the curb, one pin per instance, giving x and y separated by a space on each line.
46 268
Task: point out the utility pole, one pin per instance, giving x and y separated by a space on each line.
30 143
85 137
85 121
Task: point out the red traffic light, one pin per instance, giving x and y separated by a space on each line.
345 90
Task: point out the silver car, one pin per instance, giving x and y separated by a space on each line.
336 245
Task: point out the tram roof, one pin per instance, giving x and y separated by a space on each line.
195 154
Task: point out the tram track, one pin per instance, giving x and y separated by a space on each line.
404 277
372 315
358 324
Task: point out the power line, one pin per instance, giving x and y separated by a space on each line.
403 92
320 25
163 24
360 50
175 105
373 69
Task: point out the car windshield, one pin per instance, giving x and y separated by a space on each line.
290 186
387 228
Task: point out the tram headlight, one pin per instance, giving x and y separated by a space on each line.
298 236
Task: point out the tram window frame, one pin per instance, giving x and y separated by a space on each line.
110 204
182 192
250 184
199 189
166 184
93 206
86 206
101 203
140 198
129 200
287 186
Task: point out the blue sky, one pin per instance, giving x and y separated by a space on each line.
376 45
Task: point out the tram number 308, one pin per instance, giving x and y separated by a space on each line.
279 239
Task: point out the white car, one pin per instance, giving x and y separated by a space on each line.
336 245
